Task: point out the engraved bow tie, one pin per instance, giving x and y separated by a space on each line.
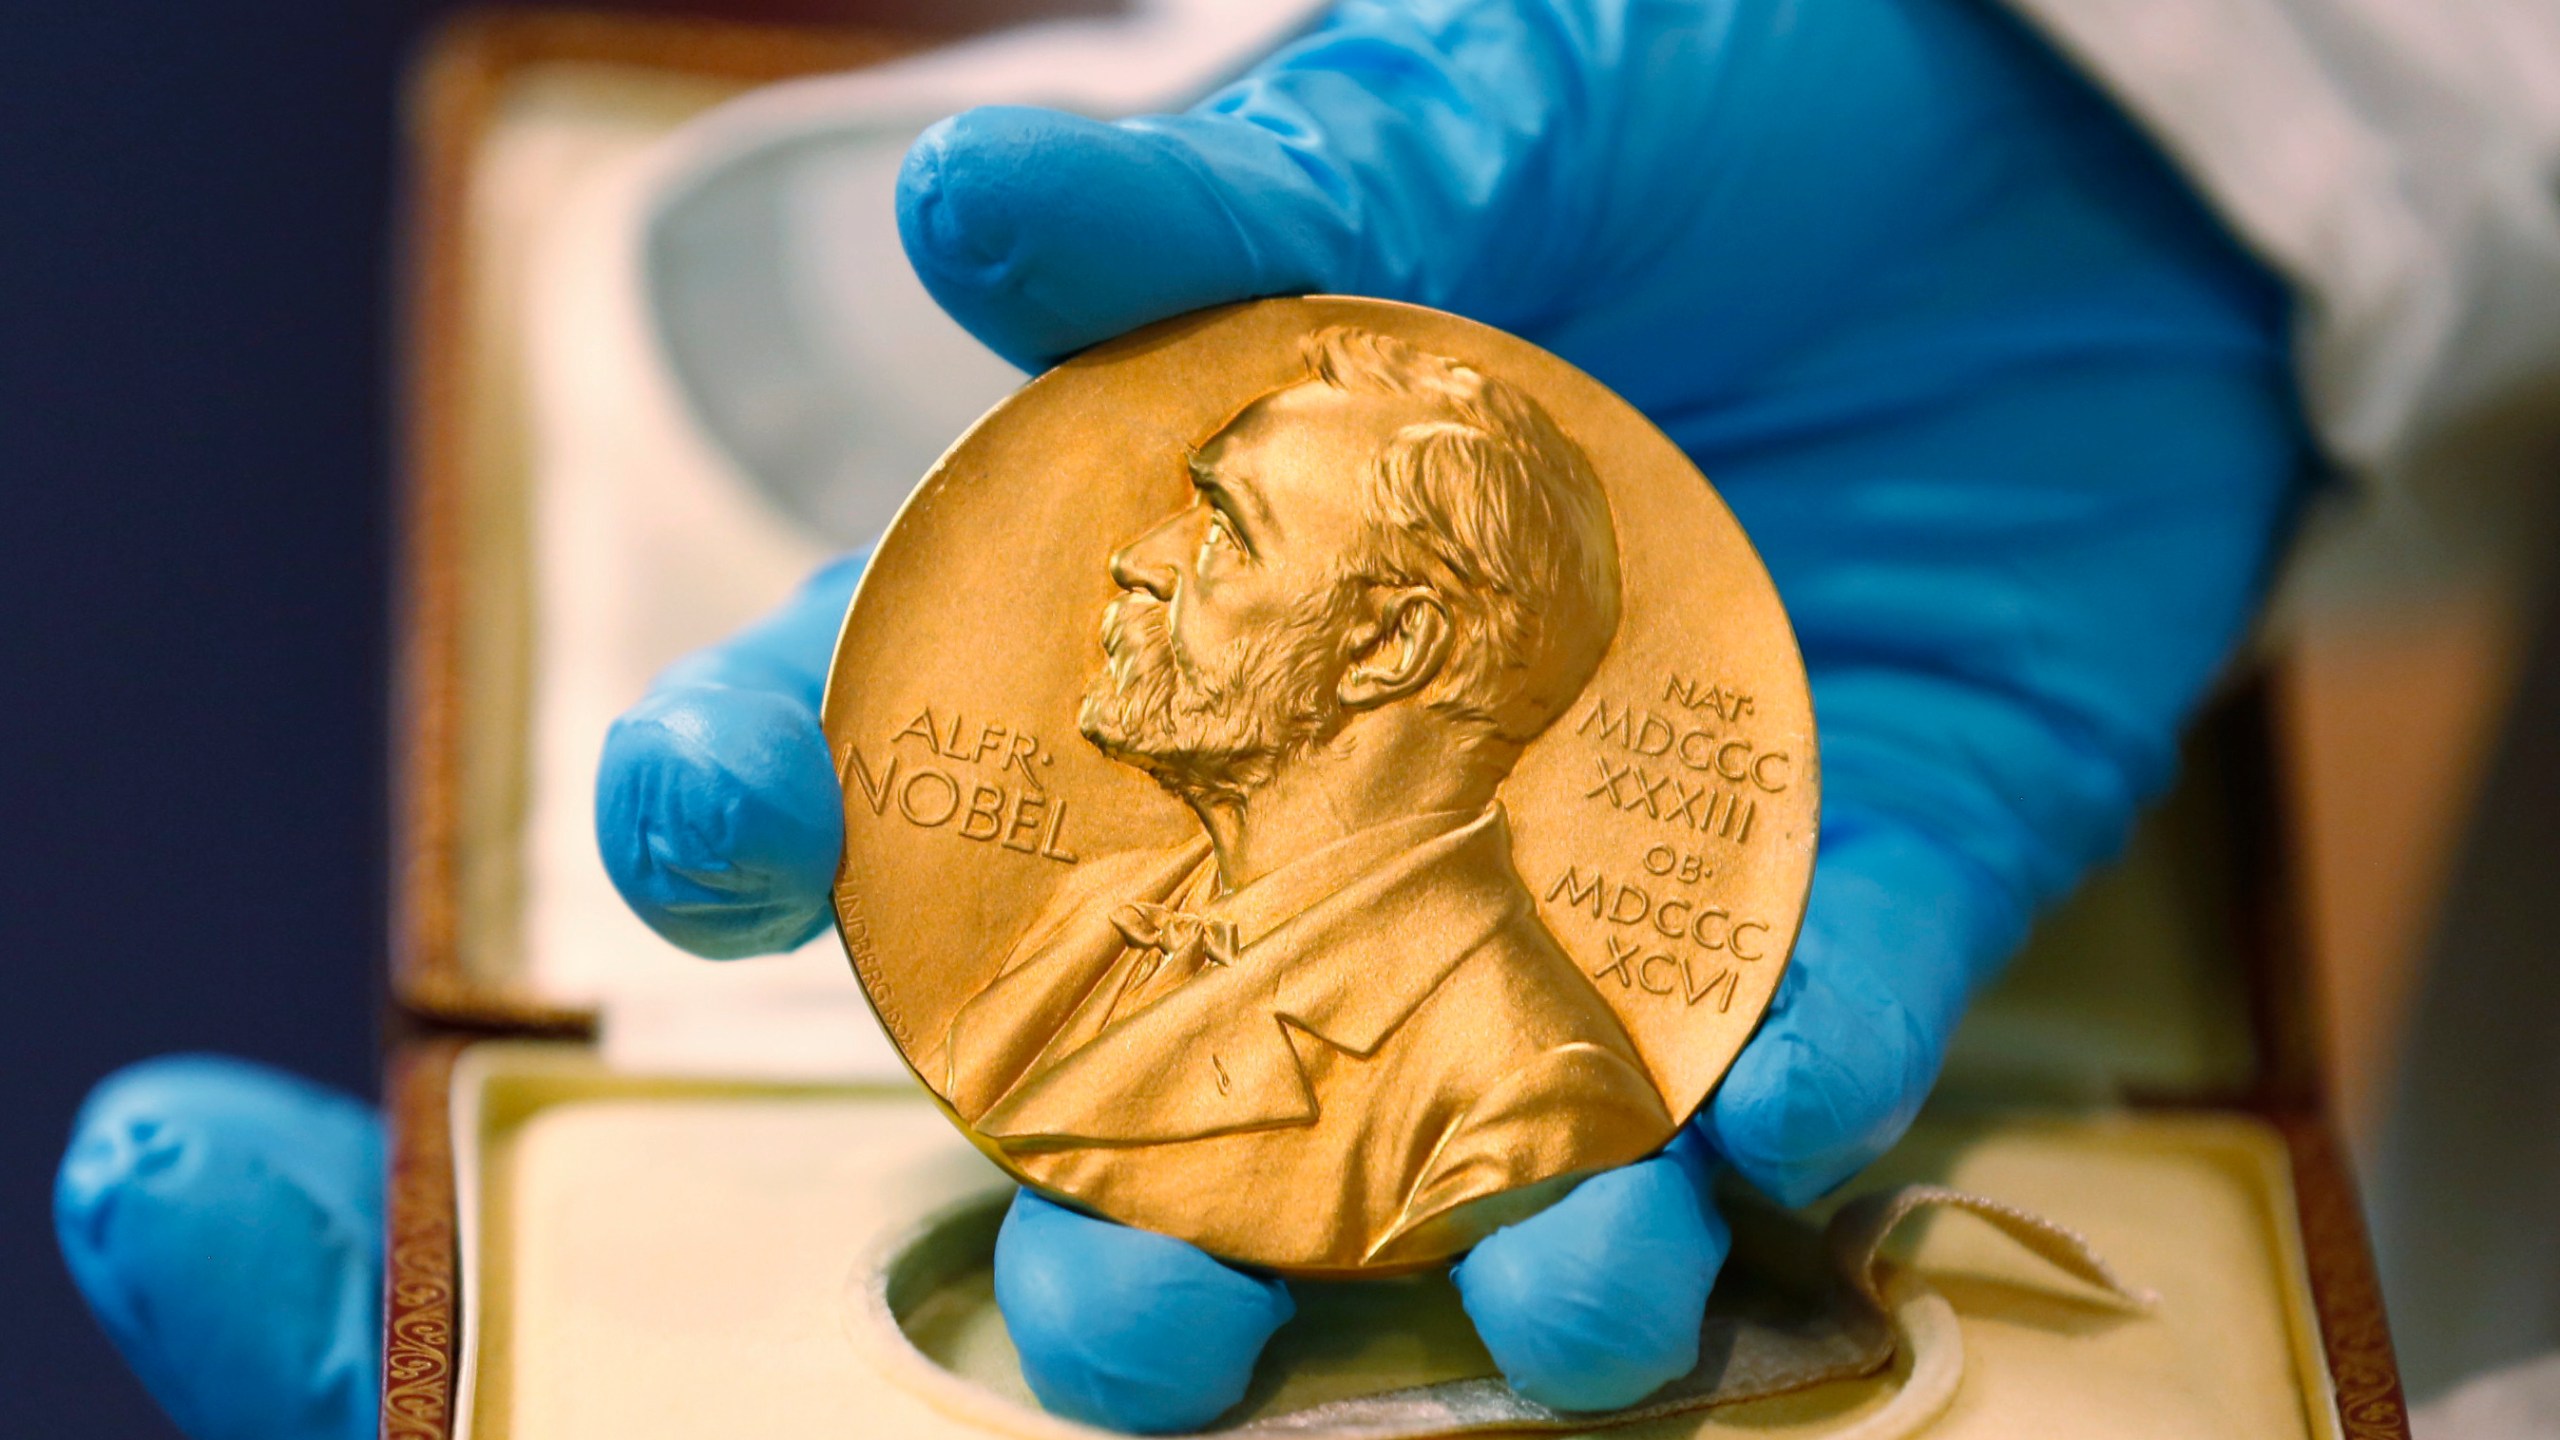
1187 941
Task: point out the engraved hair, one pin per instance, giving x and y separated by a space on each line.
1496 509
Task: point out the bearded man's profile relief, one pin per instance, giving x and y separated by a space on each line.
1392 576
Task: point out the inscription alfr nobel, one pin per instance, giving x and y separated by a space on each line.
1011 808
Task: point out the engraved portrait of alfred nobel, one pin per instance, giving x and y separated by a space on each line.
1392 576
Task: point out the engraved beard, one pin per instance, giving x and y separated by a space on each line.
1213 734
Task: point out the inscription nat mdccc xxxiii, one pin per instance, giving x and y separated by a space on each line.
1431 820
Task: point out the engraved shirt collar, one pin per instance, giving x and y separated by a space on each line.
1263 905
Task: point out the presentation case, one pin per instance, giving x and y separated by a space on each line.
633 1194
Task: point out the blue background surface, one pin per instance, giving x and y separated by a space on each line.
194 379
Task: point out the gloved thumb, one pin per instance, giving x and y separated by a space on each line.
1384 155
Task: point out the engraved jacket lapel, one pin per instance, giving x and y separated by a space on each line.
1068 951
1379 948
1213 1058
1208 1059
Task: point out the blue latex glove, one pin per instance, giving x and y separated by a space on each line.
2005 412
225 1222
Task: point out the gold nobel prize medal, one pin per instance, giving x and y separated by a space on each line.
1321 777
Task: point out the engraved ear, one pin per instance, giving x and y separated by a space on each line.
1407 645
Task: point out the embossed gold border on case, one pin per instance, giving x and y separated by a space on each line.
421 1282
2346 1293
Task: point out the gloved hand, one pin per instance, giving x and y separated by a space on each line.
2006 413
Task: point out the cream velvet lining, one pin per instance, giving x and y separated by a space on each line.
649 1257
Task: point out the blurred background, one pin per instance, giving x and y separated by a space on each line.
197 315
192 392
198 364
